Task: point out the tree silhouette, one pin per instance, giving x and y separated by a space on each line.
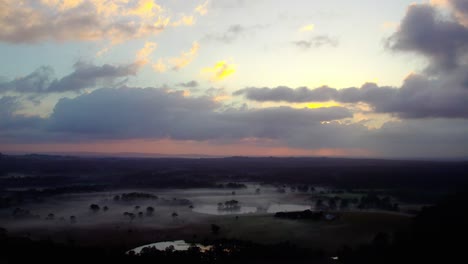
149 211
94 207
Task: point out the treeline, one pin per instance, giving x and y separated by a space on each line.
186 173
307 214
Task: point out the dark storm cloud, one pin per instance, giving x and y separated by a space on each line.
84 76
191 84
443 41
157 113
316 42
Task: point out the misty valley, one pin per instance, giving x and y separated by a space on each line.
176 208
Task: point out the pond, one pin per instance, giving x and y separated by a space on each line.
178 245
214 210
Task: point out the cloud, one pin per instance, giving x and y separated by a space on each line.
36 82
89 76
155 113
389 25
126 113
233 32
220 71
202 9
423 31
185 58
102 51
84 76
80 20
316 42
10 121
160 66
191 84
419 97
184 21
142 57
307 28
459 8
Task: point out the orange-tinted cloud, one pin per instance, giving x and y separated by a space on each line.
185 58
220 71
142 57
82 20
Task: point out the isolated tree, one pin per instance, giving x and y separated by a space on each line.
215 229
72 219
149 211
50 216
94 207
105 208
174 215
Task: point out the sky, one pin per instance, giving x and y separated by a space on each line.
369 78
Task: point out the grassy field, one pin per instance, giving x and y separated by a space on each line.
352 228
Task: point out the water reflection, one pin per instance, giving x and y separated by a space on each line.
215 210
178 245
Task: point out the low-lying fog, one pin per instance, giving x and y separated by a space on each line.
172 207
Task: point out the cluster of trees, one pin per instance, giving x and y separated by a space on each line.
234 251
368 201
307 214
232 205
335 203
24 214
373 201
148 212
22 250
